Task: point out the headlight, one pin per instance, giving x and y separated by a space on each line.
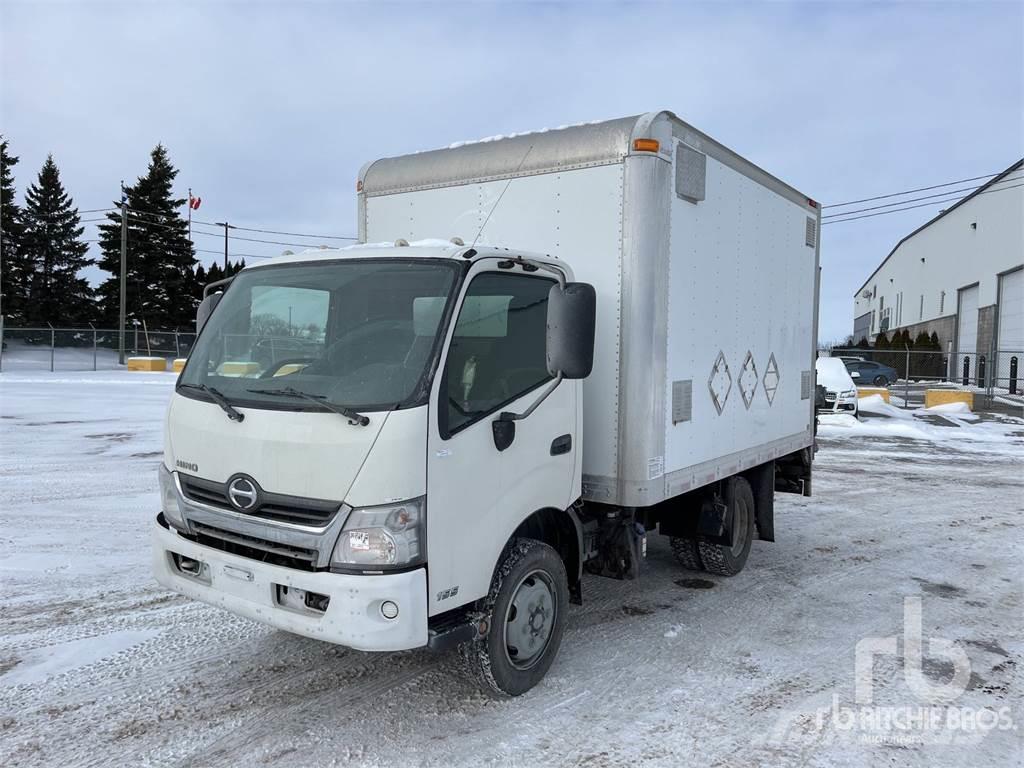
169 499
849 393
388 536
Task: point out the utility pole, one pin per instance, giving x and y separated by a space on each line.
226 228
124 274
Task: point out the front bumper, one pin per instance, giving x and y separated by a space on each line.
250 588
841 405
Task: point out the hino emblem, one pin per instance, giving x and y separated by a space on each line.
243 493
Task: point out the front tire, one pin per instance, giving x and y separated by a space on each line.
526 613
726 560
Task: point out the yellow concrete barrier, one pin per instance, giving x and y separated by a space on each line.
178 364
934 397
866 391
238 368
147 364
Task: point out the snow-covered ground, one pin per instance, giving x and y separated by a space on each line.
99 666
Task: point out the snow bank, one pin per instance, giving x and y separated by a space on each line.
949 408
876 405
845 425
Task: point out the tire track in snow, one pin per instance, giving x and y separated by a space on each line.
295 717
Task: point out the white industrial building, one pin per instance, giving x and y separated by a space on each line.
961 276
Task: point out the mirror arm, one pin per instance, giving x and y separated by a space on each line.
509 416
216 284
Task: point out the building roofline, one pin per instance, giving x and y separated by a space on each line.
994 180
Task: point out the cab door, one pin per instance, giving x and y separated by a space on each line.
494 361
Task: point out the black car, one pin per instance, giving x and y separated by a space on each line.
868 371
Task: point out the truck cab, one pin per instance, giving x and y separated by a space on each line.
358 434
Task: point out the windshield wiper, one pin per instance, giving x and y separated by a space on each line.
354 418
219 399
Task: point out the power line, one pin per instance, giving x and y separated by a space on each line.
153 214
916 199
233 255
254 239
278 232
909 191
919 205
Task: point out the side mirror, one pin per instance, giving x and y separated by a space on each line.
504 431
572 316
206 307
854 374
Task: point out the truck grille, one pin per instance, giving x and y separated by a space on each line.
255 548
273 506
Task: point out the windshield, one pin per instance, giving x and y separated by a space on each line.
357 333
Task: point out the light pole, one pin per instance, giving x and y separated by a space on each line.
124 277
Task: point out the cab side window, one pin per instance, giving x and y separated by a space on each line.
497 352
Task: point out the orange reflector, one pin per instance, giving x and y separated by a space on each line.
645 145
359 185
812 203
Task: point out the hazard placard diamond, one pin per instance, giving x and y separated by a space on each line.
720 382
771 379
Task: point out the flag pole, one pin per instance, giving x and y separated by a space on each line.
190 215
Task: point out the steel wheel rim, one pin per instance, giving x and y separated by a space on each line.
530 619
741 523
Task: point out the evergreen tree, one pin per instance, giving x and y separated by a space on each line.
15 274
881 354
214 273
201 281
921 364
160 285
51 243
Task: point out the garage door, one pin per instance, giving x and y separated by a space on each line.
1010 342
967 321
967 333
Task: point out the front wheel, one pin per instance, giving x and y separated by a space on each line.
525 610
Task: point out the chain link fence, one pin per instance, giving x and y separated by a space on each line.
85 349
996 378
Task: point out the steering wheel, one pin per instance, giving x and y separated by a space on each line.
279 364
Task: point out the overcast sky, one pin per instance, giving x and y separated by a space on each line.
269 109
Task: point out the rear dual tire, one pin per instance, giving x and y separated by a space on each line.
721 559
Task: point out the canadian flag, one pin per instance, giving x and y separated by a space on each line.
194 202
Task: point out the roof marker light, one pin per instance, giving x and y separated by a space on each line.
646 145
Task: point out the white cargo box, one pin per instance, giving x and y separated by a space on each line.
706 274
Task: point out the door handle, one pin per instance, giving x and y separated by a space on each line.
560 445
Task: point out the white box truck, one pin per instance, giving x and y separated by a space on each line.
419 442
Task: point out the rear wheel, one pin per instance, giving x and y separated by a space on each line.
525 610
726 560
881 381
687 553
